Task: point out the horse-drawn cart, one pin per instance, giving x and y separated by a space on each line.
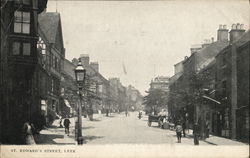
156 118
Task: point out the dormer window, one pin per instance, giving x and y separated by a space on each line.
22 22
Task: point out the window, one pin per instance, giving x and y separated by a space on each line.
26 48
21 48
41 45
22 22
16 48
25 2
55 66
52 85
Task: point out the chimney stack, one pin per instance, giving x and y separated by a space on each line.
195 48
206 43
95 66
236 32
75 61
84 59
222 33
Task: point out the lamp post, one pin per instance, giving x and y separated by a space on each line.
80 74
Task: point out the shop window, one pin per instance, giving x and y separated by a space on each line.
22 22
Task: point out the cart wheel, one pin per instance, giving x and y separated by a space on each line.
149 123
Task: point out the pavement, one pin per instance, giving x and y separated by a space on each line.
119 129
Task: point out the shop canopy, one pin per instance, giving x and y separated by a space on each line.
206 97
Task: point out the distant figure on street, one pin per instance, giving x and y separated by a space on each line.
207 129
107 112
184 128
196 134
187 126
28 130
126 113
140 115
178 131
66 125
60 122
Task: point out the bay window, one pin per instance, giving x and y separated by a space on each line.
21 48
22 22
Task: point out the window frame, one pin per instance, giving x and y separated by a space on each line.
22 2
21 48
22 22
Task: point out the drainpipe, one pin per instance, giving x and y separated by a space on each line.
233 92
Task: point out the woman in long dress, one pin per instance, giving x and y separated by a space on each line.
28 134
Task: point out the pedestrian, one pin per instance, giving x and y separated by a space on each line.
196 134
60 122
66 125
187 126
207 129
184 128
28 130
126 113
178 131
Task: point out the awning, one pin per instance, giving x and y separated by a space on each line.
206 97
67 103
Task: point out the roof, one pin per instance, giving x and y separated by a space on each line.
48 23
238 43
243 39
207 54
175 78
161 79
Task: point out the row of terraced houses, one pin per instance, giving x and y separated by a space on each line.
211 86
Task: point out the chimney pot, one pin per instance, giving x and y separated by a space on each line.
220 26
238 26
224 26
242 26
233 26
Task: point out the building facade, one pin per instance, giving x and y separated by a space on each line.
19 92
229 83
51 44
160 82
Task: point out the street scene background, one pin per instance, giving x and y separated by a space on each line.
124 72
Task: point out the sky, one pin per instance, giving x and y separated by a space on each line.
139 40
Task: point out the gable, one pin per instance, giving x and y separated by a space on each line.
59 38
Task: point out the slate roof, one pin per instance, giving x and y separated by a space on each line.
243 39
207 54
48 23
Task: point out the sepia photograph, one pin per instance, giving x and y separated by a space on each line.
124 78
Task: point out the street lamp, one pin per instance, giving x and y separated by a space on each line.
80 74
